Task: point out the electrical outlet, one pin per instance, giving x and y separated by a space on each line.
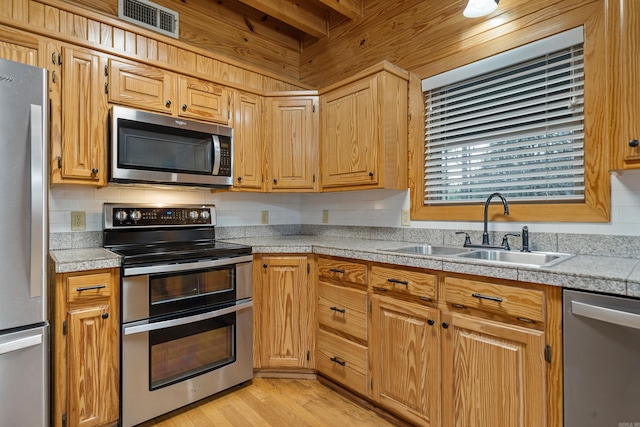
406 218
78 221
325 216
265 217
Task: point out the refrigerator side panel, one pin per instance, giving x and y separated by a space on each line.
24 378
24 189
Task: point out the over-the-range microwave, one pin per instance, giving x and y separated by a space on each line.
148 148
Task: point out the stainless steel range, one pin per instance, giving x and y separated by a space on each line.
187 316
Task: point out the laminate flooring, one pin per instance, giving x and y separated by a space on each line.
273 402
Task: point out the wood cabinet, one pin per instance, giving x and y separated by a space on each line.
248 147
142 86
85 330
292 148
624 63
203 100
283 312
494 372
364 131
19 47
343 323
79 118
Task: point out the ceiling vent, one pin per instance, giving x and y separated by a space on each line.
149 15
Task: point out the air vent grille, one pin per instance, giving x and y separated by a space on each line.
149 15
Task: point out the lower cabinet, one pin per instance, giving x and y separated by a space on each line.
405 349
283 312
85 330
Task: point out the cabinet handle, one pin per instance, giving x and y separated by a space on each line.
105 315
334 359
337 270
89 288
400 282
94 171
184 107
458 305
480 296
239 178
371 174
168 103
264 265
431 322
634 143
380 289
445 325
275 181
339 310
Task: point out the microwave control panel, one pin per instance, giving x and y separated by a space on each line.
225 157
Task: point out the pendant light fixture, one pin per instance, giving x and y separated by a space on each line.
477 8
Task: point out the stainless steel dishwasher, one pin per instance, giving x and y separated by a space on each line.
601 336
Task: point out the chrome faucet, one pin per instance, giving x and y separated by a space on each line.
485 233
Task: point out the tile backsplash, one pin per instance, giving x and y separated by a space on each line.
371 208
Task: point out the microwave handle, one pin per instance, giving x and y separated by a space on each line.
216 154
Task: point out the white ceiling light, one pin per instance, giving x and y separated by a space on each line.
477 8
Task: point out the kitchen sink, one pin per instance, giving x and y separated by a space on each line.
532 259
430 250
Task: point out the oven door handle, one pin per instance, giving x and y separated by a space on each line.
198 265
136 329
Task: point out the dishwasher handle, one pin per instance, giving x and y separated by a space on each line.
617 317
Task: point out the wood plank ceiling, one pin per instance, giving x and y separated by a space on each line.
311 17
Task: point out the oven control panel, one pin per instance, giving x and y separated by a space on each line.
126 215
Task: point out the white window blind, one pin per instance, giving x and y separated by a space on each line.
512 123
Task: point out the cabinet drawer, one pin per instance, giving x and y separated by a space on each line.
343 309
88 286
404 281
343 270
343 360
500 299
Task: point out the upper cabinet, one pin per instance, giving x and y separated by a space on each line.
79 116
364 131
19 47
142 86
248 151
624 39
293 143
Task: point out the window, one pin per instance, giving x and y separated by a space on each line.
530 122
516 128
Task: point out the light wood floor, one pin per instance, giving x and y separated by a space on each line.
273 402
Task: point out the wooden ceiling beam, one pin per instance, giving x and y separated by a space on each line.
352 9
303 15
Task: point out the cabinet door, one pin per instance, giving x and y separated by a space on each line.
18 47
93 385
349 135
79 149
626 66
405 348
203 100
293 144
282 307
493 374
141 86
248 151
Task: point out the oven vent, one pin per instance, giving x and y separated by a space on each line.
149 15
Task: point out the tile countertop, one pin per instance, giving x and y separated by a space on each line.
612 275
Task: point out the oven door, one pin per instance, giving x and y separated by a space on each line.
172 362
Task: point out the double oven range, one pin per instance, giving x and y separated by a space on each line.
186 307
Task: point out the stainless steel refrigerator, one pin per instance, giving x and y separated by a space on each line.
24 328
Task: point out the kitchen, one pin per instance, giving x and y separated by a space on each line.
243 215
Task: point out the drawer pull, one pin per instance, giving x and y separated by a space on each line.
525 320
334 359
337 270
380 289
400 282
89 288
423 298
458 305
480 296
339 310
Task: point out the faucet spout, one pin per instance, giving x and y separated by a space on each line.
485 233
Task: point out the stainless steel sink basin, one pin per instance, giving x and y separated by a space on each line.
532 259
429 250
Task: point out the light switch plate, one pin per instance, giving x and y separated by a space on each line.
265 217
78 221
325 216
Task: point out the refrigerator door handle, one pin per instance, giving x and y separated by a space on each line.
20 344
37 199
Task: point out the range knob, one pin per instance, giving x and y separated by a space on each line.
135 215
121 215
205 214
193 215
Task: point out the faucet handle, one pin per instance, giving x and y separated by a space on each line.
467 238
505 240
